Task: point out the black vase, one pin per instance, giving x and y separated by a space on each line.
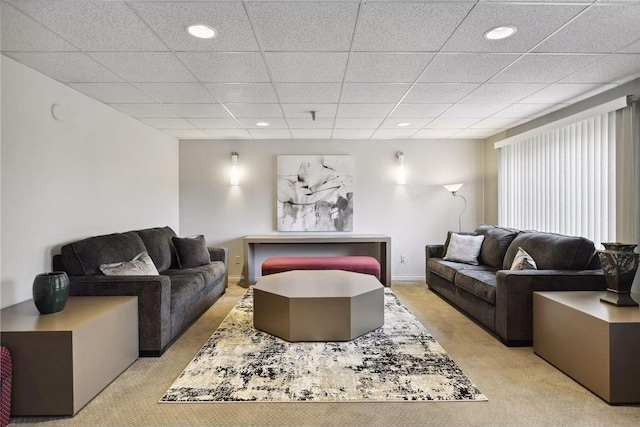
51 291
619 263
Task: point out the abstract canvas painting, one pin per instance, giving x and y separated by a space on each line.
315 193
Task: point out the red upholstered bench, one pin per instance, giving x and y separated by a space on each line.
357 264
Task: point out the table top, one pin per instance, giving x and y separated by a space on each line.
318 284
317 237
25 317
589 303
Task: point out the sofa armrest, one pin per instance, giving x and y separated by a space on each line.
154 304
514 296
221 254
431 251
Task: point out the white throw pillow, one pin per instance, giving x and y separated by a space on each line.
140 265
464 248
523 261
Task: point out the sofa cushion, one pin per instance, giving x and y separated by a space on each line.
211 271
448 239
140 265
448 269
159 246
480 283
185 285
552 251
495 245
84 257
523 261
192 251
463 248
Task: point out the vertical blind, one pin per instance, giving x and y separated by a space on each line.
562 181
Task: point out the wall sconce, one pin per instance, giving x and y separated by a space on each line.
453 188
235 175
402 177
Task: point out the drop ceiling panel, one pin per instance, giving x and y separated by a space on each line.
603 28
307 123
379 67
215 123
184 93
610 69
274 123
475 133
352 133
170 20
166 123
420 110
501 93
255 110
548 68
407 27
306 67
304 110
364 110
465 67
322 93
112 25
243 92
66 67
533 21
21 33
199 110
439 93
145 66
348 123
302 26
225 67
368 93
311 133
113 92
145 110
355 63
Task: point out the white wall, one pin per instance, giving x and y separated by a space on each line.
413 215
96 171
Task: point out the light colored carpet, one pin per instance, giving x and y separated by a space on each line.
523 389
399 361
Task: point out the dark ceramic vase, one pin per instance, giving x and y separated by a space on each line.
619 263
51 291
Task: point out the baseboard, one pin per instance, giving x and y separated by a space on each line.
409 278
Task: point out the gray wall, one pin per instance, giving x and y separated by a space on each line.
96 171
414 215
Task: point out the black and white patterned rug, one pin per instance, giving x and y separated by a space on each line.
400 361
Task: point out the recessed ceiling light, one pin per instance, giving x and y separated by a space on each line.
202 31
403 124
499 33
262 124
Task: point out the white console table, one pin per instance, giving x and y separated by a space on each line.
259 248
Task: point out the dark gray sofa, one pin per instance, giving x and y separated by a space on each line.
502 299
167 303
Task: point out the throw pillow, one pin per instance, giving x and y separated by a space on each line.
464 248
523 261
140 265
192 251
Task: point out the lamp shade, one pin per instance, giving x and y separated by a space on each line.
453 187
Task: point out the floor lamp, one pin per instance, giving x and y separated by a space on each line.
453 188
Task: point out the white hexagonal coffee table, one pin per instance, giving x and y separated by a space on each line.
318 305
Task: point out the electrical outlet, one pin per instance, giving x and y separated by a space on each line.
403 259
237 259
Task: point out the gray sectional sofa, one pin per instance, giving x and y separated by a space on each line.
502 299
168 302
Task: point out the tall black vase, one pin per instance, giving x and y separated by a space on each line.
51 291
619 263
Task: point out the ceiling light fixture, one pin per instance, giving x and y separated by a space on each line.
403 124
202 31
262 124
499 33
